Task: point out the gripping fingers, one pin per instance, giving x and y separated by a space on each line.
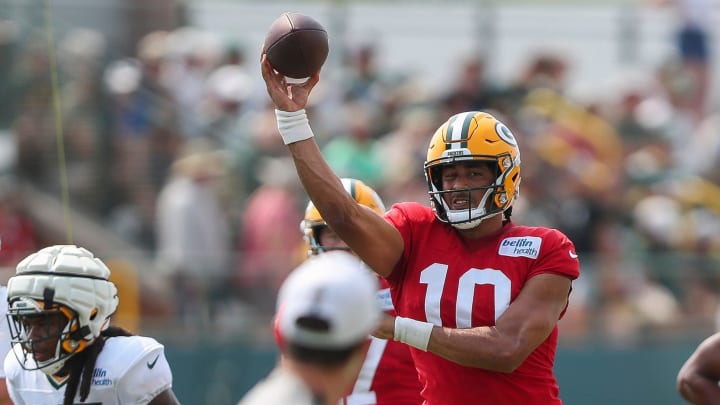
312 81
268 73
274 82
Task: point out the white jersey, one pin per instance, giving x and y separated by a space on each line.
129 370
4 328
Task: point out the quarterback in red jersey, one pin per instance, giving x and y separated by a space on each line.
478 297
388 375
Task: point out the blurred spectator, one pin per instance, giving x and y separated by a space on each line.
356 153
193 235
642 117
220 111
575 139
630 303
576 176
86 116
145 140
32 124
471 91
698 153
8 50
363 82
191 55
251 139
267 250
234 54
693 35
544 70
401 178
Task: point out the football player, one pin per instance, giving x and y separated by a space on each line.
65 351
388 375
326 310
478 296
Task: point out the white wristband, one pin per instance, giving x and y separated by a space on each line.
293 126
412 332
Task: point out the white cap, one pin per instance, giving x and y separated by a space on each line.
230 83
335 288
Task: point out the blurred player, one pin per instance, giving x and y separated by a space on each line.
388 376
698 378
65 352
478 296
326 309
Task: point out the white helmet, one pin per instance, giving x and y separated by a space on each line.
67 282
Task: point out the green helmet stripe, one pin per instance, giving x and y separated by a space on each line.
466 129
449 134
458 130
352 189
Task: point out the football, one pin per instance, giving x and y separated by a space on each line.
296 45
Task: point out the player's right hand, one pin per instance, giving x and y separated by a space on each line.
286 96
386 328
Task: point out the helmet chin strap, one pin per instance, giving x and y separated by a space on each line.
474 223
468 218
48 297
80 333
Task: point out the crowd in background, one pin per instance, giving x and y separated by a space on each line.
176 149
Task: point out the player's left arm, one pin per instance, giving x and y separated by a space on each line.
698 378
526 323
4 394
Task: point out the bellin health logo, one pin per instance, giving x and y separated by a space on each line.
524 246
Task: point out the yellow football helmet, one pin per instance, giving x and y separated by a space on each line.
313 224
474 136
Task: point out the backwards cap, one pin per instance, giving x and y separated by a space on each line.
328 302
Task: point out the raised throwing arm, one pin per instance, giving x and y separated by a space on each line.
374 240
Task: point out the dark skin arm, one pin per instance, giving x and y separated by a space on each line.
166 397
4 396
372 238
526 323
698 378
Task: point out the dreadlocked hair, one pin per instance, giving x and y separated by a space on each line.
508 213
82 365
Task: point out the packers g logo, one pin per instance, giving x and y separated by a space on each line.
505 134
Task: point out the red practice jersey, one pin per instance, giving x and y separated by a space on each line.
388 375
448 281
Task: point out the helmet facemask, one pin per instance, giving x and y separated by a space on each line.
493 201
48 335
